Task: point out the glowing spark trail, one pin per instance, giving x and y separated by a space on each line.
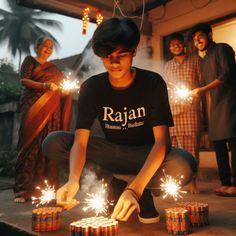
69 84
179 93
97 202
171 187
47 195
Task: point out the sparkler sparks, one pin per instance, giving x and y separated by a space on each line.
47 195
69 83
171 187
98 202
179 93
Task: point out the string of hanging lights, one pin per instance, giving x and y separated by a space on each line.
85 19
99 16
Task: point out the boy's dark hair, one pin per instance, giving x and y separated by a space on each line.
114 33
175 35
202 27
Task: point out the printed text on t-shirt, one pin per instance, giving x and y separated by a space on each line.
123 117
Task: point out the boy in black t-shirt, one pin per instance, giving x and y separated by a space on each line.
133 110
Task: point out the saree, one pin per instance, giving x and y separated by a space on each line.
42 112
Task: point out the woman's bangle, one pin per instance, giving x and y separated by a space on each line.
43 86
46 86
135 195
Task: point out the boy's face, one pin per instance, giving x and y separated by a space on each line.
201 40
118 63
176 47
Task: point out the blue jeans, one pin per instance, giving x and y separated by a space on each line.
121 159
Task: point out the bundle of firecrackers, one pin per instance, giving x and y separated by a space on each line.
198 213
186 214
46 219
177 221
94 226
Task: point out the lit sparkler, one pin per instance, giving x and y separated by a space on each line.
47 195
69 83
98 202
171 187
179 93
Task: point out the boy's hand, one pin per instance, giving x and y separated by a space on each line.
65 195
125 206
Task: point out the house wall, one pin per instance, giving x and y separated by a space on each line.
182 14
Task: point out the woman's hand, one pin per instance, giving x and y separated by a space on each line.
65 195
53 87
125 206
65 92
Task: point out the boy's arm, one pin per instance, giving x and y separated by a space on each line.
77 160
127 203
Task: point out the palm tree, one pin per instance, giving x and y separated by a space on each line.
20 28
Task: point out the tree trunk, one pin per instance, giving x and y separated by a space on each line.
20 54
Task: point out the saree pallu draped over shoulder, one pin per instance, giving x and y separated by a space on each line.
42 112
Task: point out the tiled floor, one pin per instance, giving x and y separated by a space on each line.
222 215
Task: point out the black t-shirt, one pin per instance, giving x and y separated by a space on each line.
126 116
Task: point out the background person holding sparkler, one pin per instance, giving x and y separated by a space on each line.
40 107
219 74
134 113
184 70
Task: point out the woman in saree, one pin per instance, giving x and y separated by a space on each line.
43 109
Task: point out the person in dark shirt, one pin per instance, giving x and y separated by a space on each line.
133 110
219 73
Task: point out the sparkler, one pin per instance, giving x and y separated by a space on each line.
69 83
179 93
171 187
98 202
47 195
